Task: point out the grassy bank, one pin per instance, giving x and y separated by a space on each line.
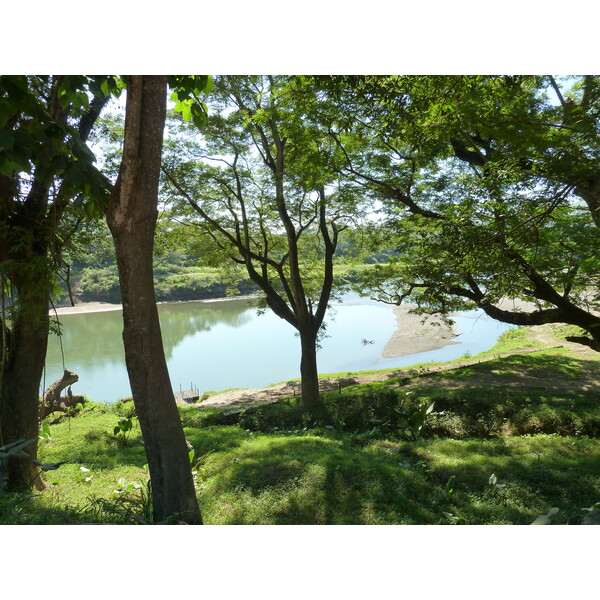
487 453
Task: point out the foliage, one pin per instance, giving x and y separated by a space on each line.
416 421
476 195
49 185
123 429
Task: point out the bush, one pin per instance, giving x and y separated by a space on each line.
124 408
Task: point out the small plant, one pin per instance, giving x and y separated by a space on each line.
451 518
131 503
123 428
123 487
84 474
44 435
493 481
417 420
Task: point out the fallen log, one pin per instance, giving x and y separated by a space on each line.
52 401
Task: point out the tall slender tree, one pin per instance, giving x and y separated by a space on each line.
131 216
263 194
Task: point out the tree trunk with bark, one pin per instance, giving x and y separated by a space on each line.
131 216
309 373
21 378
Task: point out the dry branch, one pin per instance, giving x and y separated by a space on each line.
52 401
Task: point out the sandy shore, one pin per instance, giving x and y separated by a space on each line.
86 307
95 307
417 333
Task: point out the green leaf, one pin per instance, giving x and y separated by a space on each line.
48 466
7 139
15 449
186 113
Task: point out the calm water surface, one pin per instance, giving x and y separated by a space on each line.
218 345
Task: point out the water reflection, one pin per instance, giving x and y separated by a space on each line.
92 337
225 344
187 319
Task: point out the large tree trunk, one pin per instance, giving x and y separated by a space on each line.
311 400
131 216
21 379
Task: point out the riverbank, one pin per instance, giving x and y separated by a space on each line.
85 307
462 373
97 307
507 431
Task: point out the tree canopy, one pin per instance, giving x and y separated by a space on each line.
489 187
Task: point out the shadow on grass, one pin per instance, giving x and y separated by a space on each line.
513 483
307 480
215 439
311 480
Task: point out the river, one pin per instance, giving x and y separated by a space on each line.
219 345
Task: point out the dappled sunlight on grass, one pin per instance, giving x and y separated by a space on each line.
496 448
305 479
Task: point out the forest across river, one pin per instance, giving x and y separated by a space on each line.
223 344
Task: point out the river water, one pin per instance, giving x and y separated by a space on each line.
219 345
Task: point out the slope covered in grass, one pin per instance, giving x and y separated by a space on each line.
485 454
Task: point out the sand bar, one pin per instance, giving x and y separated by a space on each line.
417 333
95 307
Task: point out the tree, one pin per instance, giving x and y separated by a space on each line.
131 216
491 191
48 183
263 196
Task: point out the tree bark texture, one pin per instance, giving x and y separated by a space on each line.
131 216
22 375
309 373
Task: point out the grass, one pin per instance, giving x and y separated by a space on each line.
488 454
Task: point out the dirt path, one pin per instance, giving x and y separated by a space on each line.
589 379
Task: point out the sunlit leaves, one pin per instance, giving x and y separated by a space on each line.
188 94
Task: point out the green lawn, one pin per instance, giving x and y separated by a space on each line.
500 454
